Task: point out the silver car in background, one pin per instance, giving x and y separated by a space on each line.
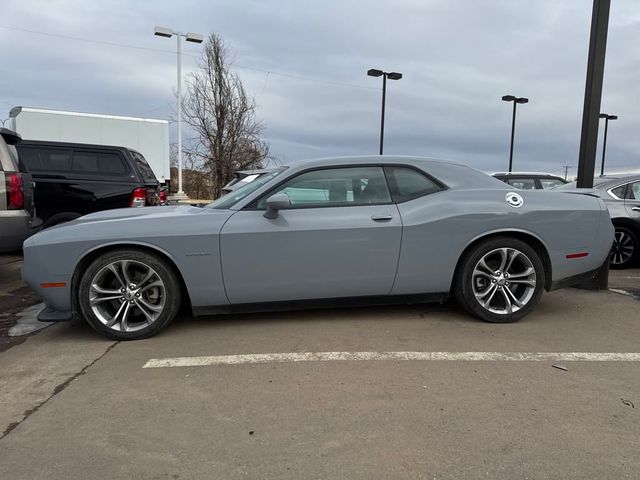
621 194
366 230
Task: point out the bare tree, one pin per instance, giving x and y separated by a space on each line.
222 115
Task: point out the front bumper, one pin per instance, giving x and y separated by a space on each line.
48 314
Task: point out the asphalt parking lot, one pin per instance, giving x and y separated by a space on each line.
74 405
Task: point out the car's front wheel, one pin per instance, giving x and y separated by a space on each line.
625 249
129 294
500 280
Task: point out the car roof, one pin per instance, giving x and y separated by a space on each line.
607 181
453 174
537 174
42 143
10 136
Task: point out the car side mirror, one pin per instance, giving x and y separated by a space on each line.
275 203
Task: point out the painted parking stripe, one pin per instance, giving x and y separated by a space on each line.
257 358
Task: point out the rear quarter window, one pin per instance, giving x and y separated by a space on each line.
143 168
619 192
407 183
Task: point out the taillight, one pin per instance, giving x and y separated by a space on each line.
138 197
15 192
163 197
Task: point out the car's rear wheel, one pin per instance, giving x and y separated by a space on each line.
129 294
500 280
625 249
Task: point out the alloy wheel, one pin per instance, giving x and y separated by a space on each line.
127 295
504 281
623 248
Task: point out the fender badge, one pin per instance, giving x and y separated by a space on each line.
514 199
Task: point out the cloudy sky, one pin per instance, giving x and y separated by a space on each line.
305 63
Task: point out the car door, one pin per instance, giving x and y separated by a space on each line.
340 238
632 201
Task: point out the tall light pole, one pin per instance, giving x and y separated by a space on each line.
391 76
606 117
515 100
189 37
593 95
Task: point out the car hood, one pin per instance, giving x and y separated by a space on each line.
139 213
137 224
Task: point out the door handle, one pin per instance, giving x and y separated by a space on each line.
635 209
381 218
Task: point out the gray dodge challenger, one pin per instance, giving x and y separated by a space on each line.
367 230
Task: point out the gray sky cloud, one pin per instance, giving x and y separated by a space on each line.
458 58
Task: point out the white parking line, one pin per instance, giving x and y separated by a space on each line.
398 356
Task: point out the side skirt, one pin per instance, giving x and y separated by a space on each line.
343 302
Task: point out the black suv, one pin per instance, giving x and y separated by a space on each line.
74 179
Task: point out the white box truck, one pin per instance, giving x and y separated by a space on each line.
149 136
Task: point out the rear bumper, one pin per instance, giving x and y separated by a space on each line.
580 279
16 226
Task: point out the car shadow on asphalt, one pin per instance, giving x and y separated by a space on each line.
447 311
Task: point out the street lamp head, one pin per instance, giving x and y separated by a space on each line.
608 117
508 98
613 117
522 100
374 73
163 32
394 76
193 37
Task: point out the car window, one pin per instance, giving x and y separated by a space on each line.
335 187
409 183
619 192
522 183
634 191
143 167
548 183
98 163
44 160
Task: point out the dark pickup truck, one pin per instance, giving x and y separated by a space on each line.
74 179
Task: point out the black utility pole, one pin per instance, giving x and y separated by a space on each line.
606 117
384 98
392 76
515 100
593 93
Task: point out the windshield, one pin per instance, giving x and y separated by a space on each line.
235 196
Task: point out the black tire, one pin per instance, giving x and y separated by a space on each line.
619 252
138 326
464 283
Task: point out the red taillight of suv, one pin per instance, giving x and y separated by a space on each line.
138 197
162 195
15 192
